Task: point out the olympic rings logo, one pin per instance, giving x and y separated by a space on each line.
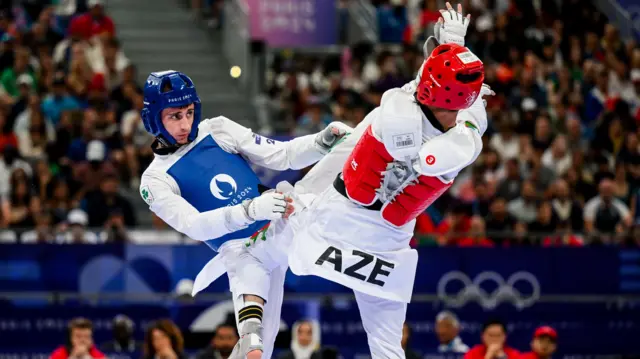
505 291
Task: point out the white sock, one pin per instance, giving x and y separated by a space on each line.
250 312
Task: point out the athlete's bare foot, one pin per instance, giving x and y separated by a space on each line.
254 354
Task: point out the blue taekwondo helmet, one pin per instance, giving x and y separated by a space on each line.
182 92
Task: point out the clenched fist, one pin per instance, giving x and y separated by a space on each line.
269 206
328 137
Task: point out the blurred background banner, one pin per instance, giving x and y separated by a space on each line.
458 277
282 23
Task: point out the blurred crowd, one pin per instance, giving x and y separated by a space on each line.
71 136
561 158
164 339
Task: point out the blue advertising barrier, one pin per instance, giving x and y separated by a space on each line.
526 287
515 275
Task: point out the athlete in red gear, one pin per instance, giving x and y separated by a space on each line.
397 161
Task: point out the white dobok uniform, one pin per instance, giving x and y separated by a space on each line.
196 189
396 163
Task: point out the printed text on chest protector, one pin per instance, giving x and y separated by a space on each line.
357 270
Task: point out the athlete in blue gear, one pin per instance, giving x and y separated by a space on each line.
201 184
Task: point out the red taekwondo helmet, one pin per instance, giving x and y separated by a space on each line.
451 78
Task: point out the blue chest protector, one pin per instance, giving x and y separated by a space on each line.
210 177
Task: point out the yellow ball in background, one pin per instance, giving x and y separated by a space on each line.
235 72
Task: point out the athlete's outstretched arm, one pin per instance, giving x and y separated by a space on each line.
202 226
295 154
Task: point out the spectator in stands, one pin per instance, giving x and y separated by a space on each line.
389 74
105 203
538 173
605 214
10 76
575 139
505 141
511 186
563 237
43 231
33 145
42 32
163 340
406 340
123 95
58 101
137 141
454 226
566 208
123 340
315 118
305 339
222 343
115 230
477 236
7 53
9 163
29 119
392 20
447 330
7 136
621 187
94 22
544 223
115 62
524 208
80 72
423 28
499 220
41 179
21 101
631 147
481 204
75 229
557 157
543 344
79 343
58 200
19 208
494 337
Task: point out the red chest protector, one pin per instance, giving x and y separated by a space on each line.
362 174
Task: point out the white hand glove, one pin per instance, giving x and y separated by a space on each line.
269 206
329 137
486 91
452 26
